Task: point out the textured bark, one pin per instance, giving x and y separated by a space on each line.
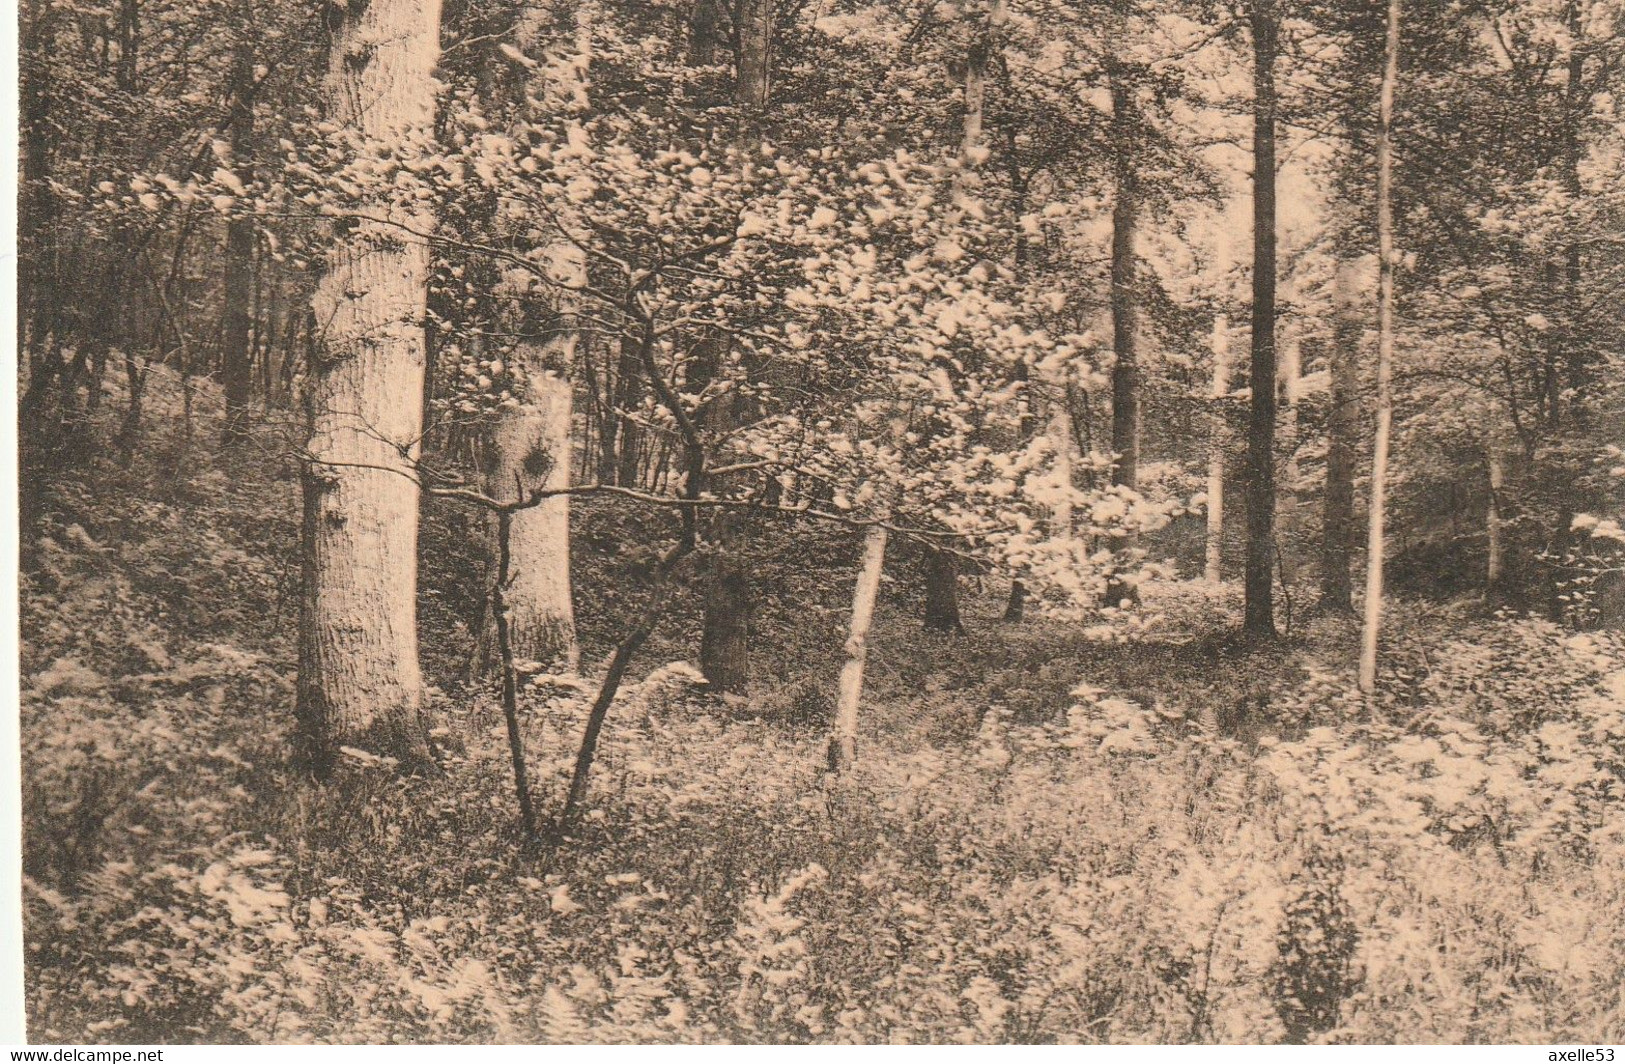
942 592
1342 428
725 624
531 448
1287 536
1259 586
1213 570
754 25
236 352
530 443
1385 356
1124 301
359 679
843 742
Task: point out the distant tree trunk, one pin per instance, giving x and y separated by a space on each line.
628 374
236 353
1015 606
1287 538
1495 577
754 27
725 622
1215 459
843 743
708 34
1260 574
1124 293
1342 429
942 592
1385 355
359 679
1577 107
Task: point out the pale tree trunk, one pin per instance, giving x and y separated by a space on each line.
1259 580
1215 456
1385 356
971 149
843 743
531 442
1494 526
531 450
1342 427
359 679
1060 437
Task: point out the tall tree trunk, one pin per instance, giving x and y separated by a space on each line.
1124 292
1213 572
1385 355
531 443
843 742
1577 106
1259 584
942 592
1287 537
1342 429
236 354
359 678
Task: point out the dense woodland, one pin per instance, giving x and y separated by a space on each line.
823 520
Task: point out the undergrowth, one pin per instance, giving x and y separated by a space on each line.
1049 837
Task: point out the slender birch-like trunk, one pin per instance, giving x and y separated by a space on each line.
1385 355
1215 456
843 742
359 679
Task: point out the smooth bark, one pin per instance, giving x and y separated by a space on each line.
1385 356
843 743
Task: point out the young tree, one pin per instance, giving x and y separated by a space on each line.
1385 354
843 742
359 679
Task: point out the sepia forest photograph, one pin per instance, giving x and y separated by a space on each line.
822 521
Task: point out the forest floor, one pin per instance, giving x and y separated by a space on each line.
1049 835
